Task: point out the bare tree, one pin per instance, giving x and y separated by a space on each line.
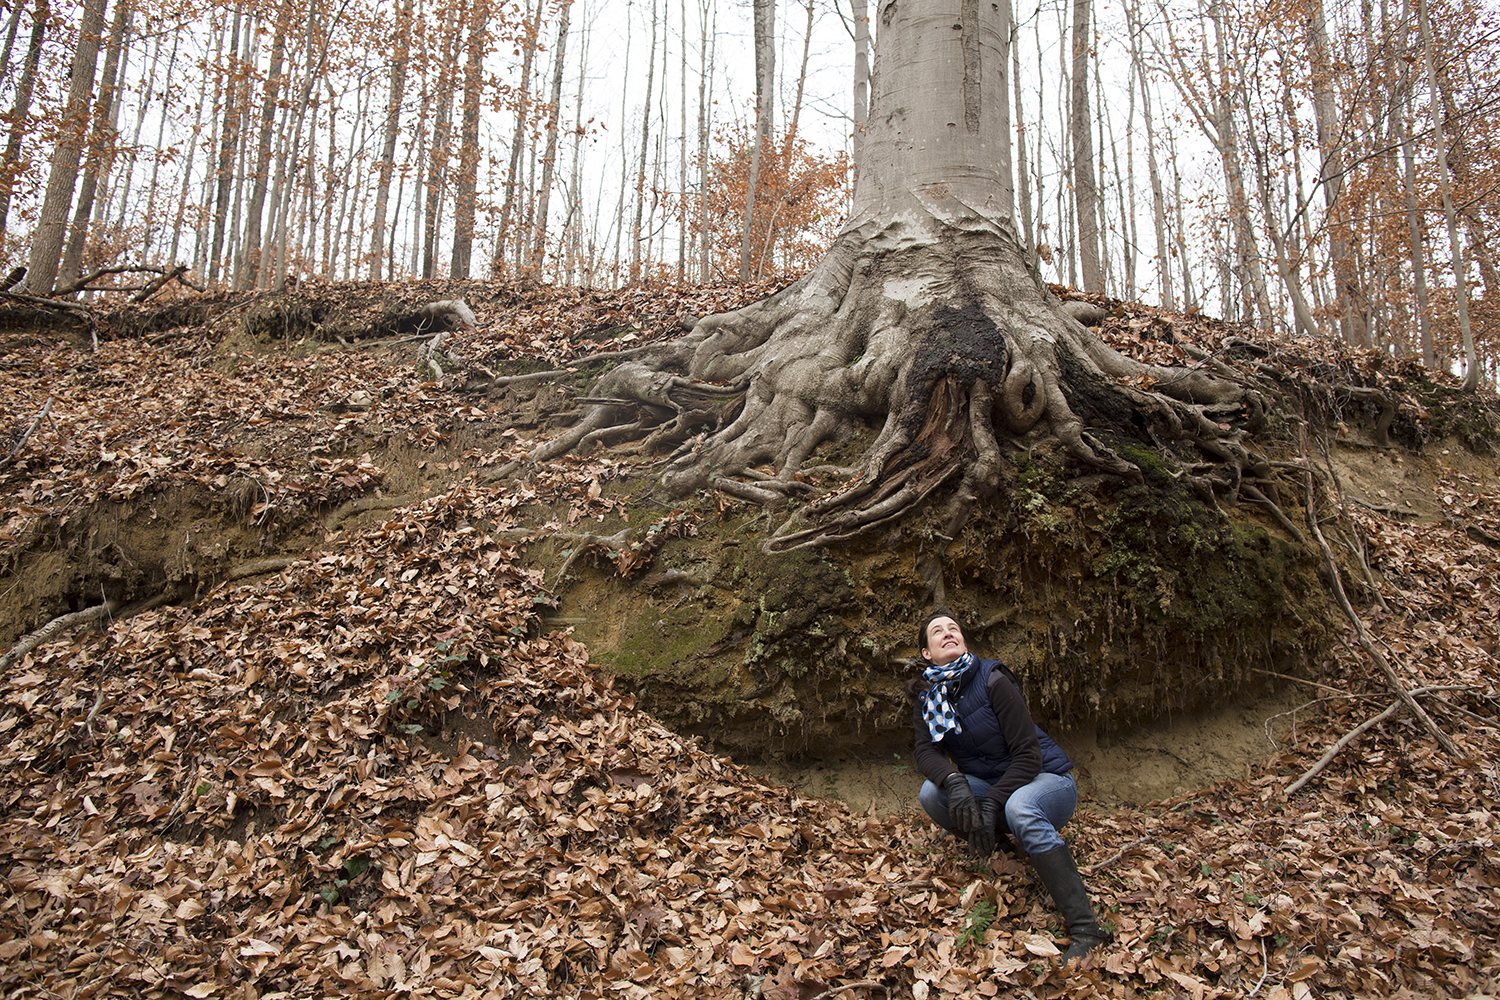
101 150
1460 278
249 271
466 189
640 173
517 142
62 175
1081 127
765 82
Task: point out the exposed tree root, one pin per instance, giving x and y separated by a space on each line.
938 340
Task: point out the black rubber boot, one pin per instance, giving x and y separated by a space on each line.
1060 875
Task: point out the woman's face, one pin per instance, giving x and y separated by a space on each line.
945 641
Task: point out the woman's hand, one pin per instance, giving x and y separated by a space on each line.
962 807
982 838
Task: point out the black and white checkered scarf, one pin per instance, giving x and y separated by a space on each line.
937 702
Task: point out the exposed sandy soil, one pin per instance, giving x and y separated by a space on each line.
1151 763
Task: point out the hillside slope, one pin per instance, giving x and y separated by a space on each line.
292 707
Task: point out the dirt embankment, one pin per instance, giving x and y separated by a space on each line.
1155 634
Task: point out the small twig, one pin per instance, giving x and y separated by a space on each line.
1101 865
1299 680
1265 970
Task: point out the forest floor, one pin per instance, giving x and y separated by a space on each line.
288 710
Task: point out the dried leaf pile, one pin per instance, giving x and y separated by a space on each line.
375 773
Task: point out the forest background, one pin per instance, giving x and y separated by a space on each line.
297 702
1283 164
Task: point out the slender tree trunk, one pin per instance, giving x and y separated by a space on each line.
682 145
105 154
228 143
101 149
250 274
861 13
1158 200
392 133
62 175
1018 131
705 72
574 223
438 160
465 195
765 83
12 25
1460 275
640 175
621 188
148 90
317 56
1085 189
1331 178
1291 275
518 136
148 241
20 111
549 158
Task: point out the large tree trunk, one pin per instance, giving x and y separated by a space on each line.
925 324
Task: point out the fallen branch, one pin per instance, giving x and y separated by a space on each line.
1336 584
157 284
109 609
1334 750
85 282
37 300
46 408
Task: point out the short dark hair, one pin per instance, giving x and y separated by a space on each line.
922 628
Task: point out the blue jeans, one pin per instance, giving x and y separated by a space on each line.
1033 814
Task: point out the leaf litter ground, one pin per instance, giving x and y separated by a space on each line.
375 773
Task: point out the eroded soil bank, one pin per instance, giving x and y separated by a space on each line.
1134 614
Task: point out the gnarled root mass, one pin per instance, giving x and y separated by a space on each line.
940 337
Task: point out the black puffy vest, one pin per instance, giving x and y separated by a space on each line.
980 749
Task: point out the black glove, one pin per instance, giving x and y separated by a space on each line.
962 808
982 836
